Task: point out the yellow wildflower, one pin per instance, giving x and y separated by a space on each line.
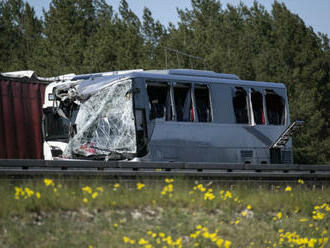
227 244
100 189
209 196
206 235
227 195
201 187
248 207
219 242
139 186
117 185
48 182
193 235
288 189
301 181
85 200
318 216
126 239
142 241
87 189
94 195
38 195
279 215
303 220
167 180
178 241
29 192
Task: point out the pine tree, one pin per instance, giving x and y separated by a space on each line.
101 54
20 33
129 40
153 49
68 26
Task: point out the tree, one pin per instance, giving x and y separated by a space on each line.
20 35
68 26
153 50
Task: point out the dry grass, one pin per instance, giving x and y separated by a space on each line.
101 214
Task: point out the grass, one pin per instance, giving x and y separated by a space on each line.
162 214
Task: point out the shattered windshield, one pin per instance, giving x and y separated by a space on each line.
105 123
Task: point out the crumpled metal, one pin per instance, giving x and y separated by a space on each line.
105 123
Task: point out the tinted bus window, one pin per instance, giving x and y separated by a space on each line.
183 103
258 109
159 101
275 109
203 106
240 106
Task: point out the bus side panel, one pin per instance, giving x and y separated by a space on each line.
205 143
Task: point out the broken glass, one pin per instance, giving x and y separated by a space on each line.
105 124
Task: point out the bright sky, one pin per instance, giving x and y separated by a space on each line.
315 13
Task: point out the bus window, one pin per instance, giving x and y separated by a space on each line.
240 106
275 109
203 105
183 104
159 101
258 109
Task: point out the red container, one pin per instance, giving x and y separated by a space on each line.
21 102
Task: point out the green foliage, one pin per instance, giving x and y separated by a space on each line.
20 33
84 36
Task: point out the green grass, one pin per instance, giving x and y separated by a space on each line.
64 219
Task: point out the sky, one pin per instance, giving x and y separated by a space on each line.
315 13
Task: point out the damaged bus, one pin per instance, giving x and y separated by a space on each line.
168 115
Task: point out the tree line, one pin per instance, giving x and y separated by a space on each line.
84 36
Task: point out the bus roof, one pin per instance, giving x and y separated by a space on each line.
94 82
200 76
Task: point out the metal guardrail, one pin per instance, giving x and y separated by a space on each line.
14 168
